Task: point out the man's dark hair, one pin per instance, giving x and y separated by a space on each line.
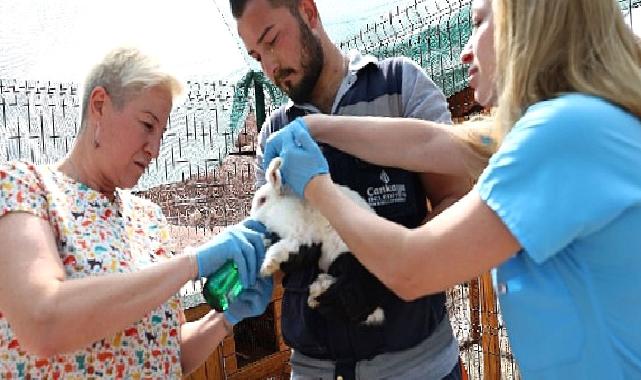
238 6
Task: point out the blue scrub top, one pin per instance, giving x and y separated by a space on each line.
567 184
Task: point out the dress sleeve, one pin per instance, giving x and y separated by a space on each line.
21 190
566 170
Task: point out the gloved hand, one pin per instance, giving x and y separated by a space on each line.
251 301
242 243
302 159
254 225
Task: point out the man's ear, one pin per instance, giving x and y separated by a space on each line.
309 13
97 101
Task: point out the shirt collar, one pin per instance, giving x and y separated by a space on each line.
356 62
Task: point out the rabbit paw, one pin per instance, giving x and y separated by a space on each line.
318 287
270 265
277 254
376 318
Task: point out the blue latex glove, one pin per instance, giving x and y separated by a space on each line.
242 243
302 159
254 225
250 302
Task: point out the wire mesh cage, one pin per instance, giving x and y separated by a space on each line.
255 338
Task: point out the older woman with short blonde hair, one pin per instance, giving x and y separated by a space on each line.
88 287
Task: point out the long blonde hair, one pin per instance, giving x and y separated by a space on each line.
545 48
476 134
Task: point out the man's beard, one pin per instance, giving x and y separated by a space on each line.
311 62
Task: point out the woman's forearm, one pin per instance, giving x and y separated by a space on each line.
103 305
367 235
114 301
411 144
199 338
51 313
464 241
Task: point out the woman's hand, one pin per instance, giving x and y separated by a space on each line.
302 159
250 302
242 243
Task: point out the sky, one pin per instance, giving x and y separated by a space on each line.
59 39
634 20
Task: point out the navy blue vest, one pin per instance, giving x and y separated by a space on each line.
394 194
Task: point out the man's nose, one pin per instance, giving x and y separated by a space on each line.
270 68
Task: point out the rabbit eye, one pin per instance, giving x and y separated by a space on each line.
262 200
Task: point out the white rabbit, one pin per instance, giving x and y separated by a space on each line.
297 224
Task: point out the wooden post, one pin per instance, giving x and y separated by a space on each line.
230 363
490 336
213 366
475 308
278 306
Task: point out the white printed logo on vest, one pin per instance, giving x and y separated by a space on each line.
387 194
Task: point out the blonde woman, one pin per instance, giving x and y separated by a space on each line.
556 211
88 287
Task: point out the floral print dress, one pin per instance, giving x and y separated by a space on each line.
94 236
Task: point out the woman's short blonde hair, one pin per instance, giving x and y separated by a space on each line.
545 48
123 73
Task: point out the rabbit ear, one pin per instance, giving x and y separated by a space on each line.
276 163
273 174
